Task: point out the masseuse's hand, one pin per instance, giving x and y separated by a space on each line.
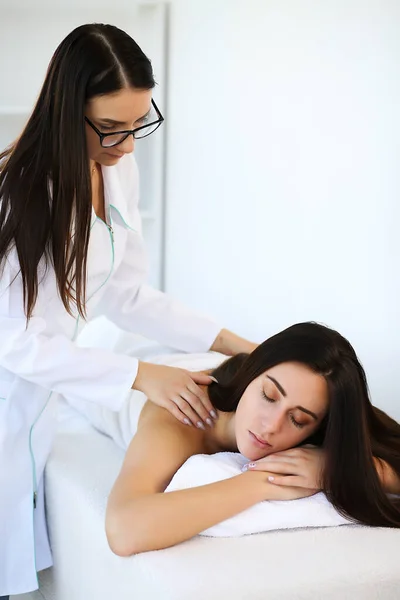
298 467
178 392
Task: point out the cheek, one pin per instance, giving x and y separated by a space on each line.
93 144
249 416
245 409
292 437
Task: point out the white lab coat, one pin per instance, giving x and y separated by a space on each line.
40 361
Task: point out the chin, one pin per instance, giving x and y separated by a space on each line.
253 454
110 159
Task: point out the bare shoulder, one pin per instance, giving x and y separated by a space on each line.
151 411
159 448
163 431
153 416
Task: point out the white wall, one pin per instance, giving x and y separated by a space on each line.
283 175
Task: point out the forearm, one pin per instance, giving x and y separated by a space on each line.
231 344
156 315
388 476
156 521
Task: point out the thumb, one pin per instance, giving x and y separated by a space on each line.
202 378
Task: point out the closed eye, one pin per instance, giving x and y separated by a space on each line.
267 398
296 423
291 417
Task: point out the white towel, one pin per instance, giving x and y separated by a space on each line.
314 511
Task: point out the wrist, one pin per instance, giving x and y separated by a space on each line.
261 489
140 376
219 343
257 485
388 477
230 344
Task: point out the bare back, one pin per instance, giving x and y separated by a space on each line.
159 448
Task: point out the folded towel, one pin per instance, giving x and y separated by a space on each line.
201 469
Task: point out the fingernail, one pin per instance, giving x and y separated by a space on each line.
213 379
213 414
209 422
186 421
248 466
200 425
270 478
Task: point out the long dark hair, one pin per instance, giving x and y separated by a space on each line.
353 431
45 186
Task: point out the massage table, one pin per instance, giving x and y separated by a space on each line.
333 563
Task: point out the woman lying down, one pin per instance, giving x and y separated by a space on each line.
302 386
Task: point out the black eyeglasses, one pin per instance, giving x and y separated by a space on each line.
108 140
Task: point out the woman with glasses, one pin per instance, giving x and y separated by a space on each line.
71 250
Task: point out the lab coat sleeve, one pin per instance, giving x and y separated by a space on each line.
55 362
157 316
135 306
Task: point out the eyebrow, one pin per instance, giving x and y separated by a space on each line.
113 122
308 412
278 385
283 392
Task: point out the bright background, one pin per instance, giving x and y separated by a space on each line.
280 197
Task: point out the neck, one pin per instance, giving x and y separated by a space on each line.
222 435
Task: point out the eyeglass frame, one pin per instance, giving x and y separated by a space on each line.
128 131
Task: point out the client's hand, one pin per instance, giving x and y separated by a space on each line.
298 467
178 392
260 482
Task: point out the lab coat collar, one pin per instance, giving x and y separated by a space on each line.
114 196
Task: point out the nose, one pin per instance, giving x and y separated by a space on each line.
128 145
273 421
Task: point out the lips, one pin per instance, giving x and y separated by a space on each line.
114 155
258 441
